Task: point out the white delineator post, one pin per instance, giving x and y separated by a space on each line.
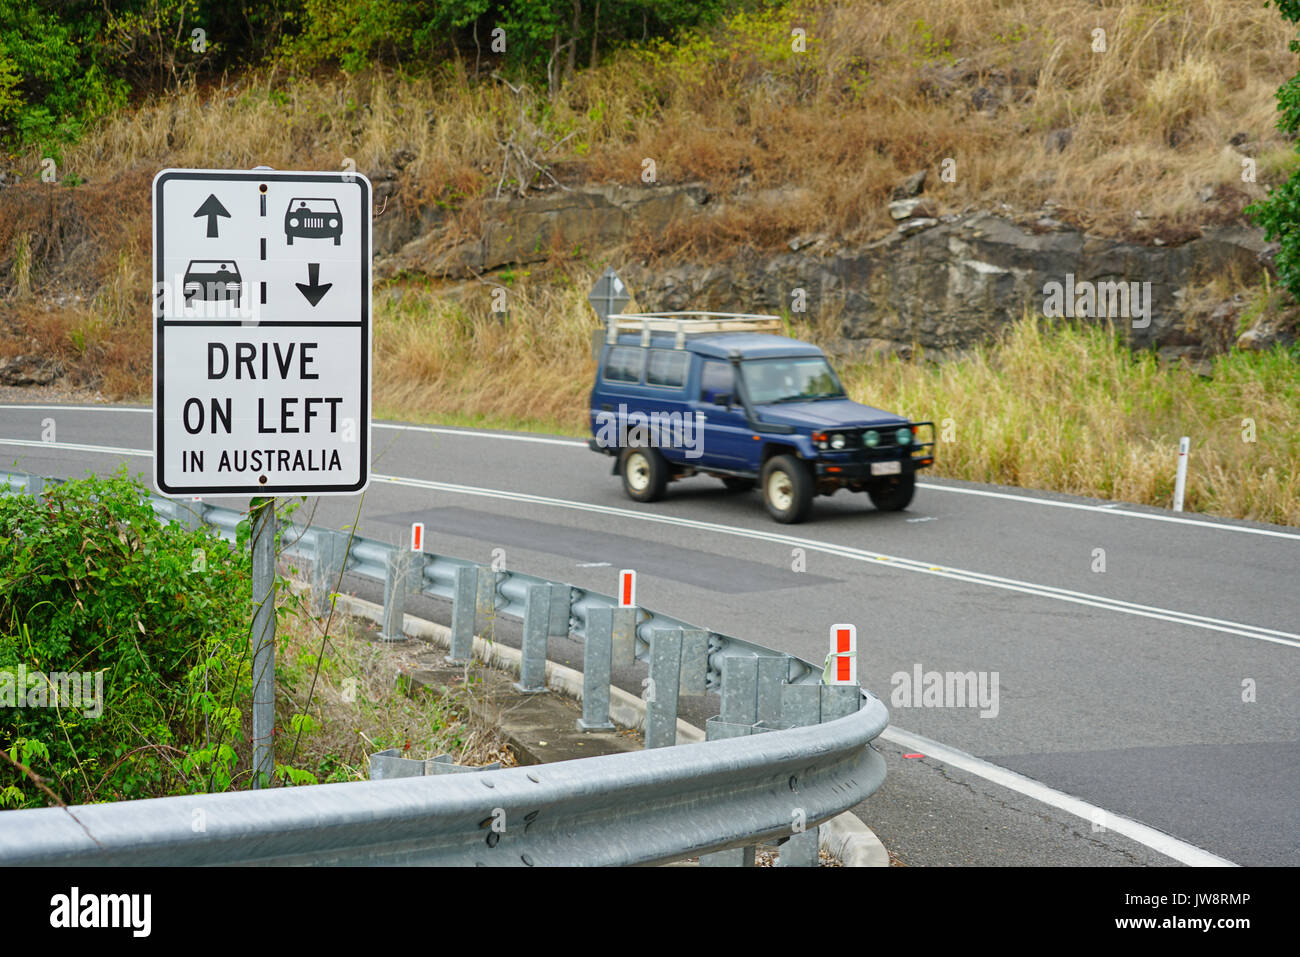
1180 479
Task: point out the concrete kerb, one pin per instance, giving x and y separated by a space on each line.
844 836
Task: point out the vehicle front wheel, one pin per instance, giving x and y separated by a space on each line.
735 484
893 495
787 489
645 474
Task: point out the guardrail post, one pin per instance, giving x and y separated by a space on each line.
695 662
739 714
399 568
801 850
596 656
661 697
464 614
486 595
561 608
537 621
35 485
328 562
624 637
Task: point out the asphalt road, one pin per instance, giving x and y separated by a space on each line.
1124 729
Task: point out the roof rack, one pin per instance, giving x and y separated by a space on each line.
682 324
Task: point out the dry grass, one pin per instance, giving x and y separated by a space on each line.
357 709
1074 411
452 359
885 87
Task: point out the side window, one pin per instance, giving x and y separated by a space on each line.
667 367
623 364
716 378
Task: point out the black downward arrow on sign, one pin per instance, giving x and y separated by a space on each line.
312 289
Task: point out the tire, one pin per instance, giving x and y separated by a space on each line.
787 489
288 239
645 474
894 495
735 484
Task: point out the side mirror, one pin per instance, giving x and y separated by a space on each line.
722 399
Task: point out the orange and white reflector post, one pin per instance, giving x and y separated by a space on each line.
417 536
844 655
627 588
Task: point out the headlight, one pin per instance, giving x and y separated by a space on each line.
903 436
333 223
293 222
837 441
871 438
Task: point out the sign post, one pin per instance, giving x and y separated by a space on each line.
261 359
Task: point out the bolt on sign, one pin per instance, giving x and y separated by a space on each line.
261 332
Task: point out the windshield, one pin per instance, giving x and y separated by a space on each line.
790 380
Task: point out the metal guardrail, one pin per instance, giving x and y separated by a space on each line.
797 752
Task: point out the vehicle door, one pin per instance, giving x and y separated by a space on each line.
727 436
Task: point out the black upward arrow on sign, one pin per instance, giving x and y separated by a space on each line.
313 290
212 208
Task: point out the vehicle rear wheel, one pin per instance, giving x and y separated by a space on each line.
735 484
787 489
645 474
893 495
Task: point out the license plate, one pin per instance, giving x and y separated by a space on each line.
886 468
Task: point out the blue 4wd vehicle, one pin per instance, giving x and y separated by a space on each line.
678 394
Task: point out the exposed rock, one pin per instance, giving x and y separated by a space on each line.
953 285
1265 334
520 231
1241 142
803 242
985 99
909 208
916 225
29 370
1058 140
912 186
945 285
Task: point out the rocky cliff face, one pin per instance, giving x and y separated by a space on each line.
944 283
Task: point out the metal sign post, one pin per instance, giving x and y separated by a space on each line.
262 515
261 361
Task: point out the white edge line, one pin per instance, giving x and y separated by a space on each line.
1143 834
1113 508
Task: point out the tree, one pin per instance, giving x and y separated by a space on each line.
1279 214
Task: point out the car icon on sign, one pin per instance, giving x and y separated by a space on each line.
313 219
212 280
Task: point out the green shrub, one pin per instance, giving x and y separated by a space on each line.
91 582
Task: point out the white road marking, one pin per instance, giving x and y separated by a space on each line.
1143 834
1112 508
1257 632
860 554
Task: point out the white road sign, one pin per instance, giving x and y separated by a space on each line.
261 332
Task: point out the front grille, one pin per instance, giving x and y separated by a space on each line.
314 222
